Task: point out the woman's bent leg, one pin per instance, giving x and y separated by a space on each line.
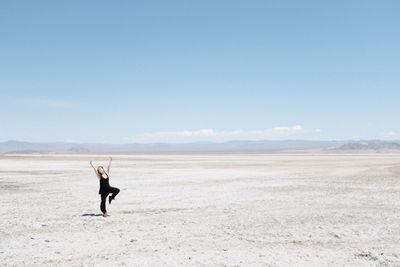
114 192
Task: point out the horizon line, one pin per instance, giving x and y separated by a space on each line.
201 142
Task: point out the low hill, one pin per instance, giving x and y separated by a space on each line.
375 145
264 146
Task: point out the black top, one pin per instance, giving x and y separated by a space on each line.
104 185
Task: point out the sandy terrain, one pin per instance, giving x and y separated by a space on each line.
203 210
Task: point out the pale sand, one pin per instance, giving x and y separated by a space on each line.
204 210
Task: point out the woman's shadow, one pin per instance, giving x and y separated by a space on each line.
91 214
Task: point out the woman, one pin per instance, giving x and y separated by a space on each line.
105 188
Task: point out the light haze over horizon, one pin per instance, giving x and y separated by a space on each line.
188 71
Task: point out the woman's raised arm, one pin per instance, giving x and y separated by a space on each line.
95 171
109 165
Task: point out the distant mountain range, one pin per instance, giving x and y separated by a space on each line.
18 147
371 145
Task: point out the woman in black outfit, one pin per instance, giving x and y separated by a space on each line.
105 188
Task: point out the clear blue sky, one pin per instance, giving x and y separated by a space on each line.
125 71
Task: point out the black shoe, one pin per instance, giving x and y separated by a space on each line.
110 199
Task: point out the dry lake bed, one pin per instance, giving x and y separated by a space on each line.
202 210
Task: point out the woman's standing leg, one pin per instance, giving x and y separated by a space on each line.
103 203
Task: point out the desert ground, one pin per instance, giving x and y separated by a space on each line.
202 210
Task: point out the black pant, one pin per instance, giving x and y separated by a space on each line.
112 190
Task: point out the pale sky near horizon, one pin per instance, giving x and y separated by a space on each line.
182 71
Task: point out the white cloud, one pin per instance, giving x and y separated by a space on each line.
221 136
389 135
